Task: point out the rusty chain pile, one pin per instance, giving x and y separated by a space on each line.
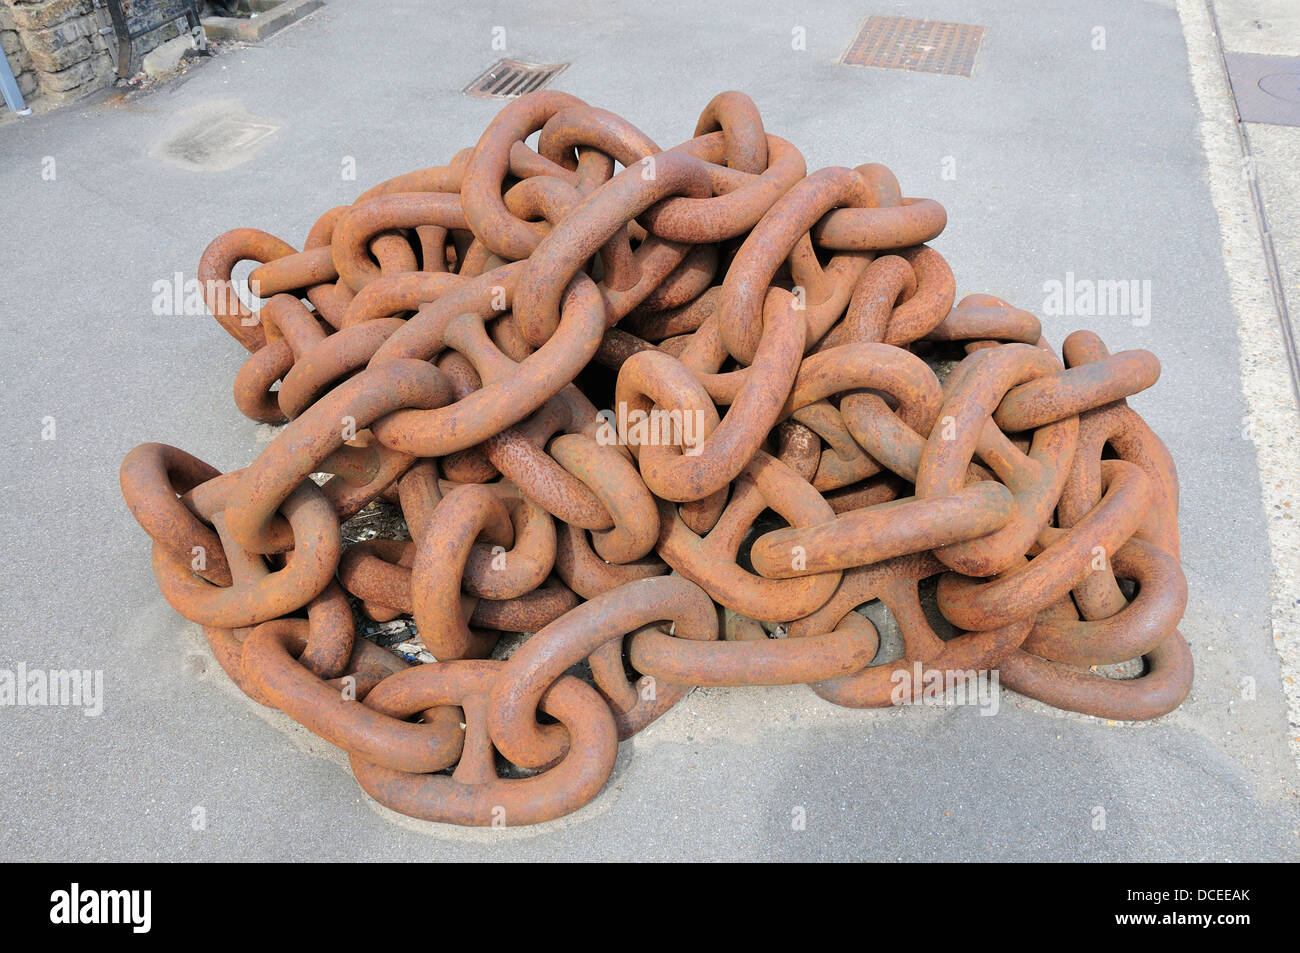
588 389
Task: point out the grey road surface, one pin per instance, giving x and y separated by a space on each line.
1067 160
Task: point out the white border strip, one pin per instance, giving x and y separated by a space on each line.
1273 422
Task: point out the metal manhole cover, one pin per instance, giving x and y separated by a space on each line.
1267 88
506 79
214 137
923 46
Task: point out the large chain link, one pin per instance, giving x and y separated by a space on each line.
595 394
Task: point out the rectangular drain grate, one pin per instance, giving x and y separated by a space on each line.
919 45
506 79
1267 88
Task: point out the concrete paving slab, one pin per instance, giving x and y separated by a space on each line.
1259 26
1068 159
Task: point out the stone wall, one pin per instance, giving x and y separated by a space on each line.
55 48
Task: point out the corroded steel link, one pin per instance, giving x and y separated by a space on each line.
332 633
539 662
356 229
1118 427
561 253
378 572
257 594
1095 384
870 492
789 661
418 491
876 533
618 486
710 562
335 358
1033 586
650 268
442 551
578 130
1168 667
1162 687
391 249
676 414
739 201
481 190
878 367
656 326
1131 632
617 346
900 298
520 455
822 293
368 666
845 369
314 266
330 299
706 354
364 470
521 568
527 613
1121 429
894 583
980 317
291 330
914 222
587 574
750 277
506 336
471 465
216 268
885 284
254 384
651 380
284 316
973 391
684 284
855 370
432 241
897 446
730 443
474 794
298 450
154 477
1048 670
511 391
843 461
334 713
489 573
921 312
742 127
392 295
554 200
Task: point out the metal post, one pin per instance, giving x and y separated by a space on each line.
9 86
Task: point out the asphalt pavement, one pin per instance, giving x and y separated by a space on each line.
1055 158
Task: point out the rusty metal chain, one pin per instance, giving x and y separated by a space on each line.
595 395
